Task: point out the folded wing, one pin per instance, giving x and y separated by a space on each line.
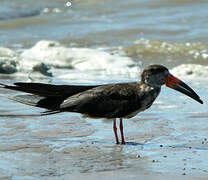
44 95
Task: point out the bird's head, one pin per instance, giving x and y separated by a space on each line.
158 75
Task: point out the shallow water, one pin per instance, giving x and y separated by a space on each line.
166 32
98 42
170 138
96 22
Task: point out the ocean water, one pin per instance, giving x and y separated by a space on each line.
161 31
98 42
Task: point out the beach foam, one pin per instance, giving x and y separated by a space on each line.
11 62
47 57
191 71
171 51
55 55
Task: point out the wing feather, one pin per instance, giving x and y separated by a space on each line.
108 101
48 90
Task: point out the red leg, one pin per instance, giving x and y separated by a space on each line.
121 130
115 131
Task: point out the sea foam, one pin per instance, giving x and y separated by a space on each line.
49 57
191 71
55 55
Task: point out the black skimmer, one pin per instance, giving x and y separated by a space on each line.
111 101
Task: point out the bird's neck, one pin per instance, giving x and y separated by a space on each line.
151 84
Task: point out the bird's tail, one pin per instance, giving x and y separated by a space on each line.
45 96
34 100
47 90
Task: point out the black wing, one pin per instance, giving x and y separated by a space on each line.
45 95
48 90
108 101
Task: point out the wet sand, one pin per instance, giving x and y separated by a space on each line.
168 141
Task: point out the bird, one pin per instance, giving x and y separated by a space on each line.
109 101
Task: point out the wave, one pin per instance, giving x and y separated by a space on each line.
55 55
191 71
46 55
14 14
50 58
188 52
